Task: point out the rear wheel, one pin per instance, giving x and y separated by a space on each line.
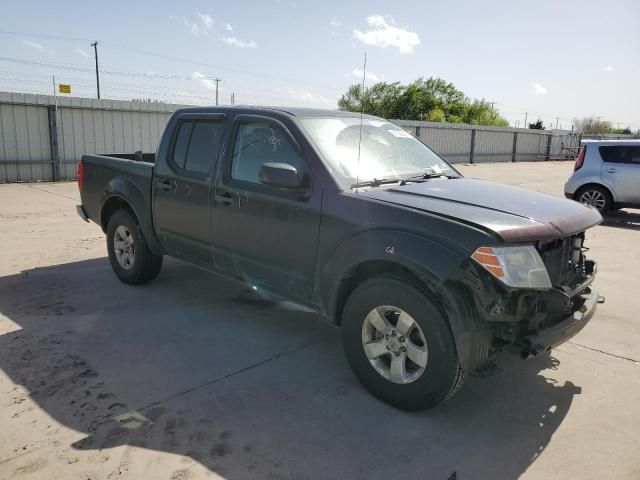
596 197
130 257
400 345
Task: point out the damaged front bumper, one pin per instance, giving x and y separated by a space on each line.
550 337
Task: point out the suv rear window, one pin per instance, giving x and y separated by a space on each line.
621 154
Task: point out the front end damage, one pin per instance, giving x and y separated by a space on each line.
535 321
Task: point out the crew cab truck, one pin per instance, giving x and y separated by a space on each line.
428 273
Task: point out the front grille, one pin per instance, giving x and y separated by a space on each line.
564 260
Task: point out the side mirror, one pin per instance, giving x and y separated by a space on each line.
279 175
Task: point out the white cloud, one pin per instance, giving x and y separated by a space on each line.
205 81
31 44
358 72
384 33
207 26
80 51
538 89
238 43
335 22
608 68
308 97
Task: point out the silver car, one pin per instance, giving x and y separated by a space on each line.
606 174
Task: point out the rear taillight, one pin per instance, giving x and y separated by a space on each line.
579 159
80 175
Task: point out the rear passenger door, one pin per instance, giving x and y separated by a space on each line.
621 170
181 187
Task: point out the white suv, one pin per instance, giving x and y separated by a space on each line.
606 174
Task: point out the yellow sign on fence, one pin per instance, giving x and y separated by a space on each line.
64 88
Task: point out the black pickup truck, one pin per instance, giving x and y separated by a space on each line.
428 273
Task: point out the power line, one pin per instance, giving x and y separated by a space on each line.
172 58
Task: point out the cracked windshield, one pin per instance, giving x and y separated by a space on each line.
386 150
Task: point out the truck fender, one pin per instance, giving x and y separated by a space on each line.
121 189
427 260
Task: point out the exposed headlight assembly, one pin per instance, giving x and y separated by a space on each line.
518 266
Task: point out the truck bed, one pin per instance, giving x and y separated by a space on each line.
103 172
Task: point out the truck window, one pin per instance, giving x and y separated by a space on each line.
196 146
257 144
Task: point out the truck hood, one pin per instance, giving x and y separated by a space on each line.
515 214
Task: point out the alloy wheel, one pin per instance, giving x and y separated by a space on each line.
394 344
124 247
593 198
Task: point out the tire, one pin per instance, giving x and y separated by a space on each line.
417 387
130 257
597 197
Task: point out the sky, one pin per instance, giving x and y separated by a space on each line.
555 60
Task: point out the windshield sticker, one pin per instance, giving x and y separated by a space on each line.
400 133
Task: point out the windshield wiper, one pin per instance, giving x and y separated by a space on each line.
376 182
427 176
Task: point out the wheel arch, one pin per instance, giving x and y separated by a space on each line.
124 194
587 185
424 262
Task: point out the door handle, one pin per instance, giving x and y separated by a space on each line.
224 198
165 185
612 170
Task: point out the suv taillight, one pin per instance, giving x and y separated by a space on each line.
80 175
579 159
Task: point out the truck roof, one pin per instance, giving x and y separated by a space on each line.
293 111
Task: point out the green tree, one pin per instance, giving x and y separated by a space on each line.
537 125
432 99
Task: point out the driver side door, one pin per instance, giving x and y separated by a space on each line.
264 234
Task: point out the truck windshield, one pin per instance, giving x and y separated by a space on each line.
386 151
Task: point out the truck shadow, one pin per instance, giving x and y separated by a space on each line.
191 365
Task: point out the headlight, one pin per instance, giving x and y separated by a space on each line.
516 266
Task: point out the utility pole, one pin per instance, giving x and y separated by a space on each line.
525 119
557 118
492 104
233 98
95 50
217 80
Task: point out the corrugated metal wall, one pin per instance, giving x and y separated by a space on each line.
42 137
461 143
83 126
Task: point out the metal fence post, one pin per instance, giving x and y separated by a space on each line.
472 148
52 113
548 152
418 131
515 146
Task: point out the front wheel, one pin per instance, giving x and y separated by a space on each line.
400 345
130 257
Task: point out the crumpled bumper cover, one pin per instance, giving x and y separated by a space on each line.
548 338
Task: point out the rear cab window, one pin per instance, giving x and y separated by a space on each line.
196 146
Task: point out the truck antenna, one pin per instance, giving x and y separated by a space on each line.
364 76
